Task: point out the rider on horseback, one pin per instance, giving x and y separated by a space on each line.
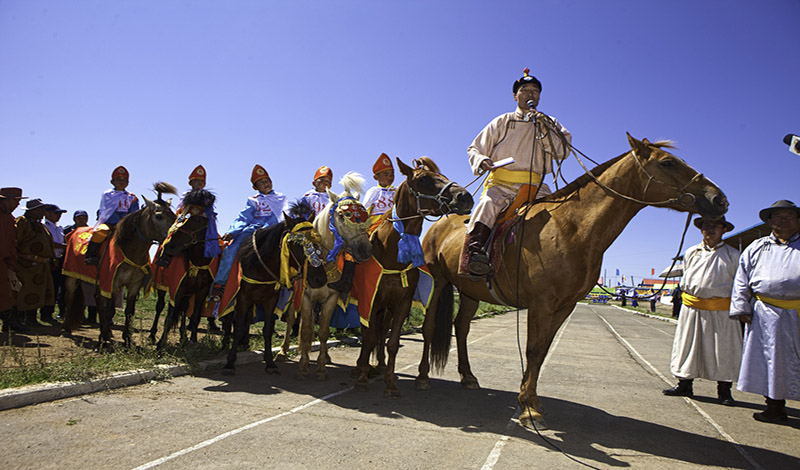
528 141
114 205
318 197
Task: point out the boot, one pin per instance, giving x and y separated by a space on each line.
724 393
683 389
216 293
164 260
92 257
478 261
11 323
30 319
775 412
345 283
46 314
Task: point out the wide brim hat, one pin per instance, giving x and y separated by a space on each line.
34 204
323 171
259 173
526 78
382 164
765 214
698 222
55 208
120 172
198 173
11 193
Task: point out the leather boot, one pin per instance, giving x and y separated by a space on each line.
775 412
478 263
724 393
216 293
92 258
683 389
46 314
345 283
11 323
30 319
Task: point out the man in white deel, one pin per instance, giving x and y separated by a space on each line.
708 343
766 297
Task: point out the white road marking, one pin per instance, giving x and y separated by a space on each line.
702 413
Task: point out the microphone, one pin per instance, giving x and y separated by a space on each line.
532 114
532 105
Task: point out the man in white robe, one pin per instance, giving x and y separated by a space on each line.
708 343
766 296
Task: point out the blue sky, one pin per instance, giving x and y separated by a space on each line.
161 86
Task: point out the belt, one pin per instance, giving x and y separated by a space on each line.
789 304
510 177
713 303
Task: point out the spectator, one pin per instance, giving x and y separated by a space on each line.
35 252
766 297
80 219
51 217
677 302
9 200
707 343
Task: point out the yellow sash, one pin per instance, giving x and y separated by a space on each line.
510 178
791 304
714 303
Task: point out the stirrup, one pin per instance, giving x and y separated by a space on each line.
478 265
216 294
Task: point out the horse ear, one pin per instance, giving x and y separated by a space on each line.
169 202
641 148
404 169
334 197
147 202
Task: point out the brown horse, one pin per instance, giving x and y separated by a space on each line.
133 236
345 210
555 256
424 192
260 262
187 245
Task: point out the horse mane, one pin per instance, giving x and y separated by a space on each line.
300 209
322 226
268 241
352 183
127 228
428 164
585 178
199 197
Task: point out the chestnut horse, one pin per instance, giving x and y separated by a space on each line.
424 192
133 236
260 264
349 219
555 256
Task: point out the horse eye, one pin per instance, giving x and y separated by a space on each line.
667 163
348 214
159 216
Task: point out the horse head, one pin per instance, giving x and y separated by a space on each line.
302 250
431 192
189 229
349 217
670 182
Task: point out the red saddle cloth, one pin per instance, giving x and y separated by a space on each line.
169 279
75 254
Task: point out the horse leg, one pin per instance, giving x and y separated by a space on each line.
169 322
305 338
324 333
368 342
466 311
72 297
130 310
269 329
380 353
241 328
398 315
106 311
162 294
291 318
227 326
194 320
442 319
542 328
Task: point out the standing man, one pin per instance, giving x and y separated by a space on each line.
708 343
35 252
766 297
80 219
532 140
9 200
51 217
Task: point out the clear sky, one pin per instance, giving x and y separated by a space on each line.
161 86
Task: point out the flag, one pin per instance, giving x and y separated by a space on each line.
652 271
618 272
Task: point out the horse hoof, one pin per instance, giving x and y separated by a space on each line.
532 421
322 376
470 384
272 371
361 387
393 394
355 372
422 384
301 376
281 357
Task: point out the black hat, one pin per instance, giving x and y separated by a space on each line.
55 208
526 79
34 204
698 222
765 214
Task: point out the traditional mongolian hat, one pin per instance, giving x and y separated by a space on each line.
198 173
34 204
698 222
323 171
383 163
120 172
259 173
765 214
526 79
11 193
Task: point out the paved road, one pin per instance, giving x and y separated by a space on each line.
600 387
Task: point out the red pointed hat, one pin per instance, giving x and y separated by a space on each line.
198 173
323 171
259 173
120 172
383 163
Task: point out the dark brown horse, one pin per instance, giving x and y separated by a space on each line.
555 256
260 262
424 192
187 245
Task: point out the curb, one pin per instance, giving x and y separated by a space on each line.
42 393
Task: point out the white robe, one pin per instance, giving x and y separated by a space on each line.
708 343
771 357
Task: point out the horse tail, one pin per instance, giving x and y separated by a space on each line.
353 183
442 333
